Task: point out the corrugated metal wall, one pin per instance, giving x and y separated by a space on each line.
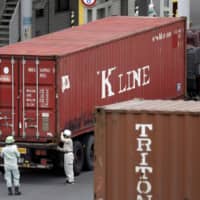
147 150
107 61
160 60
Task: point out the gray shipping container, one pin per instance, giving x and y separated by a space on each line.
147 150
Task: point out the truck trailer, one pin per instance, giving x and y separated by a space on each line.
53 82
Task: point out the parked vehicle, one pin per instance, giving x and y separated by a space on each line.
55 81
147 150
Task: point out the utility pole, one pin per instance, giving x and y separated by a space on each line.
184 10
26 19
166 8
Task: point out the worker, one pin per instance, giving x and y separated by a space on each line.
68 155
10 155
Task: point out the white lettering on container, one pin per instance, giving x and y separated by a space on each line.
65 83
144 143
105 83
5 78
161 36
126 82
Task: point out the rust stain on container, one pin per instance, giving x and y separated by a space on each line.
147 150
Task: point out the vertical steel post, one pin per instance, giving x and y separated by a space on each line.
37 97
13 97
26 19
23 97
184 10
161 8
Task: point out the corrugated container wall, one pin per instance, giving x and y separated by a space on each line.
53 82
144 64
147 150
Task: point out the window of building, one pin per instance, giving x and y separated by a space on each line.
89 15
61 5
101 13
39 13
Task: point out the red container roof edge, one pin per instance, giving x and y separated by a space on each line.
78 38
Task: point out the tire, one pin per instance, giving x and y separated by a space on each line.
78 158
89 152
58 163
2 170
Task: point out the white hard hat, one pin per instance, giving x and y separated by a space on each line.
10 139
67 133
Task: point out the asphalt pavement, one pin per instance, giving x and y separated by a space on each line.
43 185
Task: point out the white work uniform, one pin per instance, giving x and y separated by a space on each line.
11 155
68 157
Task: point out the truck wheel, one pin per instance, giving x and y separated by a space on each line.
78 158
58 163
2 170
89 153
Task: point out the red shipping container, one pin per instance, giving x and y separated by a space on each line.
147 150
54 81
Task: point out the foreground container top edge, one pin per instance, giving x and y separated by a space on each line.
179 106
